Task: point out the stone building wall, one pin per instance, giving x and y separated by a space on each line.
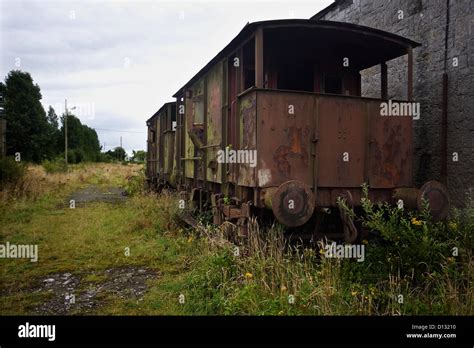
424 21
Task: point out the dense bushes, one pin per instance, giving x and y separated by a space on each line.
136 184
54 166
410 243
11 172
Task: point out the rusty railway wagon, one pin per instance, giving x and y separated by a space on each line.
287 94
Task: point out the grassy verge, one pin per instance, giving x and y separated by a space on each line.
84 241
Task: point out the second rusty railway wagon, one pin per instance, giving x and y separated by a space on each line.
161 164
276 122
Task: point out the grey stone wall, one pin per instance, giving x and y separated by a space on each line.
424 21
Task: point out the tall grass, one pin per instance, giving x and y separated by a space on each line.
37 182
409 266
409 269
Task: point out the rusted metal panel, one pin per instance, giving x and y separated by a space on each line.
194 112
176 143
390 149
284 133
214 123
168 142
354 144
151 168
197 123
342 138
248 138
158 145
188 144
259 71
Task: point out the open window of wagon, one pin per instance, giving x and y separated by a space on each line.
275 122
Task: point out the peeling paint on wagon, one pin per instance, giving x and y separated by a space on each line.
294 148
284 139
264 176
248 138
214 123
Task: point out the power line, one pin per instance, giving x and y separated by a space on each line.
116 130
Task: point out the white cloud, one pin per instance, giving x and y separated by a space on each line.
83 58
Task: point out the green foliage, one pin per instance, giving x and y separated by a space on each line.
136 184
103 157
410 243
28 130
83 143
408 255
54 166
209 286
52 118
117 153
11 172
33 132
138 156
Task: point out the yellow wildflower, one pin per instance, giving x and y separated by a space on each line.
248 275
416 222
354 293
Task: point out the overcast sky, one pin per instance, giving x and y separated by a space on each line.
119 61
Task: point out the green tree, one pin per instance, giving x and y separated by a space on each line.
118 153
138 156
28 130
52 117
83 142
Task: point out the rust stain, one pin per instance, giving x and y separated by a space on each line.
293 148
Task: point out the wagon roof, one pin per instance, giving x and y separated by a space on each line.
387 45
156 114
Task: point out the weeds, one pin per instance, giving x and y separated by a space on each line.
409 269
